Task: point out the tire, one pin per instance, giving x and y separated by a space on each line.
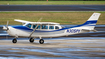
41 41
31 40
14 41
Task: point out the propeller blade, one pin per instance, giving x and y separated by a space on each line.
35 27
7 24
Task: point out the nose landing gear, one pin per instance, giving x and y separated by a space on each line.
14 40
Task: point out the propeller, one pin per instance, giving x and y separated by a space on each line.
35 27
6 27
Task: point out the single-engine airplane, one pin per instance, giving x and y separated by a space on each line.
48 29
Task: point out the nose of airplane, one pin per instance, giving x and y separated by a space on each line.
5 28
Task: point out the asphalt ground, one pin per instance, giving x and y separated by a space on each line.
53 49
52 8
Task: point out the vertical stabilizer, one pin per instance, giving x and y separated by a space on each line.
91 22
94 16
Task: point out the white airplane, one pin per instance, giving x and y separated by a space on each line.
41 30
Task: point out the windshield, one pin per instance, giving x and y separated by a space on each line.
28 25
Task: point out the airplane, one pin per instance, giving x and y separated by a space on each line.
42 30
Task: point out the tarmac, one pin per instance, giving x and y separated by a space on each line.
53 49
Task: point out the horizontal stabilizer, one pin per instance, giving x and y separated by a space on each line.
89 30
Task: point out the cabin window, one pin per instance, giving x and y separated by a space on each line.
34 26
56 27
38 27
44 27
51 27
28 25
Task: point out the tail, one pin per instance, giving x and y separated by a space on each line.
91 22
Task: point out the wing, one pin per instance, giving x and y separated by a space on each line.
38 22
22 21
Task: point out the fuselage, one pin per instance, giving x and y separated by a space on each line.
24 31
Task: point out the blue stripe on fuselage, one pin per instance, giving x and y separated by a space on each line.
87 23
90 22
22 28
30 30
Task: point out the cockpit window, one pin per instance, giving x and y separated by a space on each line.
51 27
29 25
34 26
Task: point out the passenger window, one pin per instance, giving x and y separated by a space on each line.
38 27
44 27
51 27
56 27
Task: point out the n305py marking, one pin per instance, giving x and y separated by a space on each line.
73 30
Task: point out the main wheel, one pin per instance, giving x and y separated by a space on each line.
41 41
14 41
31 40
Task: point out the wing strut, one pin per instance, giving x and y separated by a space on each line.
35 27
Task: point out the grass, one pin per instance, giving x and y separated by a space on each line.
52 2
59 17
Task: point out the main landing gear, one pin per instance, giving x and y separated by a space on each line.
41 41
31 40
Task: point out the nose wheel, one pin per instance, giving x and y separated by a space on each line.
41 41
14 41
31 40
